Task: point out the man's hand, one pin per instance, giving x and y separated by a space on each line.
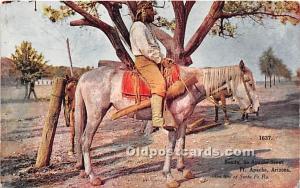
167 62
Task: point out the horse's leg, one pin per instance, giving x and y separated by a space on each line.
148 128
223 101
171 182
243 116
87 139
180 151
216 112
80 125
72 131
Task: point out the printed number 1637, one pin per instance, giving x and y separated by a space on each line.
265 138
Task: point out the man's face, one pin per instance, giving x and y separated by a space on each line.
150 14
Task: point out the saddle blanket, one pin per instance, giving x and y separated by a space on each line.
133 85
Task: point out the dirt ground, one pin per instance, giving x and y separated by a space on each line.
22 123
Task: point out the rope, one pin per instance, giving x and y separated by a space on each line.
136 87
185 85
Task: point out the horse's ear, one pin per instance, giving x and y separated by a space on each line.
242 65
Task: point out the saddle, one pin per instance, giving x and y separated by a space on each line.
135 87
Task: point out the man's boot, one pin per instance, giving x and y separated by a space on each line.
156 106
157 114
170 122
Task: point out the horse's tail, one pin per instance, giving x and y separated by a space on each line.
80 123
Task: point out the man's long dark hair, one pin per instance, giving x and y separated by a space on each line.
141 14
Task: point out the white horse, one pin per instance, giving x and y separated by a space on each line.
100 89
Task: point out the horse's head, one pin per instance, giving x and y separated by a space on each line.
71 87
245 91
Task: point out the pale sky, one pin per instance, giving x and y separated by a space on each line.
20 22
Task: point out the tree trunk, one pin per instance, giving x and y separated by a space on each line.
109 31
265 80
45 148
31 90
270 81
279 79
274 81
26 90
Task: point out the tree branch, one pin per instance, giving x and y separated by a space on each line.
109 31
87 16
188 7
163 37
204 28
132 6
81 22
179 10
256 21
114 13
230 15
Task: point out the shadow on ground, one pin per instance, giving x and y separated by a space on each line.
202 167
282 114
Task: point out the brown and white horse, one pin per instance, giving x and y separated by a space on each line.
100 89
226 93
69 109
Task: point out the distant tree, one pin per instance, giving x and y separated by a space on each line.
267 63
30 63
49 71
281 70
270 65
287 74
60 71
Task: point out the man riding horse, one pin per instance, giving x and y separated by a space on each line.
148 59
100 89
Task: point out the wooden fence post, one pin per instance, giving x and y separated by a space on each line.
45 148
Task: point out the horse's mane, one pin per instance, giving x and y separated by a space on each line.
213 78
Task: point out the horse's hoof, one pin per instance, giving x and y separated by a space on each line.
187 174
70 153
172 184
202 180
82 174
96 181
227 123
